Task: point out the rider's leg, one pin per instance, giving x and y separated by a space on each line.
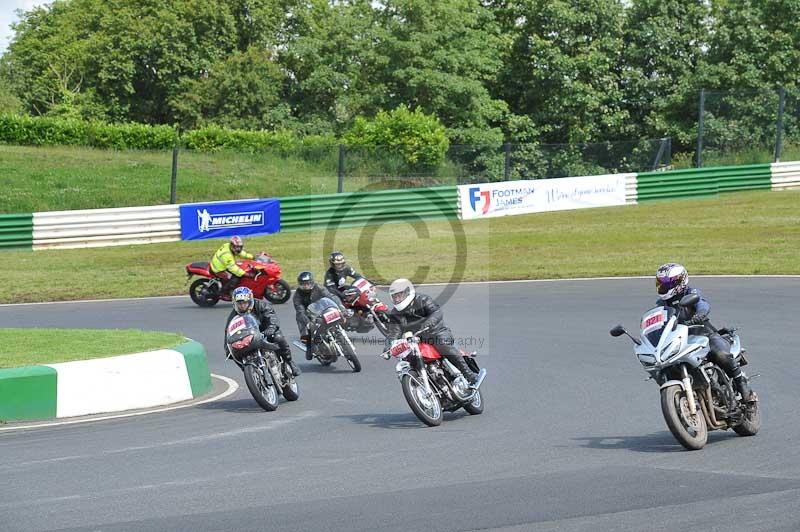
284 351
444 344
722 356
302 327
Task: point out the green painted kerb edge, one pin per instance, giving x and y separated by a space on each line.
197 366
28 393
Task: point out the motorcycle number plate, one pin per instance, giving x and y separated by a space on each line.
236 325
400 348
331 316
362 284
653 320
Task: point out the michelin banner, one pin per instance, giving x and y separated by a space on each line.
541 195
227 218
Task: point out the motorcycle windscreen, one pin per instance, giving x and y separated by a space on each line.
653 322
319 307
241 326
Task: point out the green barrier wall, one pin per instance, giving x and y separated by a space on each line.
694 182
304 213
16 231
28 393
194 353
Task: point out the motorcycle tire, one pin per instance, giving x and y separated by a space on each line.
427 409
672 406
281 294
195 290
348 351
475 407
751 423
263 392
291 392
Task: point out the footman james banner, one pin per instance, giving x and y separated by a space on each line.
540 195
228 218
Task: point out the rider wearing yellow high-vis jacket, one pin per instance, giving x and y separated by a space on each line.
225 259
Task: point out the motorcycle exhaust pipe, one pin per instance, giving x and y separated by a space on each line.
481 376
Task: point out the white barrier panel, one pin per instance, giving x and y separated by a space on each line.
106 227
785 176
542 195
631 188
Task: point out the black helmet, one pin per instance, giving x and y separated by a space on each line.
337 261
305 281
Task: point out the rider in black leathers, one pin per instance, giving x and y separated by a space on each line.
308 291
414 312
672 282
336 276
268 324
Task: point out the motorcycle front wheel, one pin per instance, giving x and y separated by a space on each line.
263 392
426 407
279 293
690 430
196 293
348 351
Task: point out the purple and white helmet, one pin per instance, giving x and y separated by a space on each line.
671 280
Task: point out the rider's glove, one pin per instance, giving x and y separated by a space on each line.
385 355
697 319
250 273
348 313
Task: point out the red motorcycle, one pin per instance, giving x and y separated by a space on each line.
368 310
263 278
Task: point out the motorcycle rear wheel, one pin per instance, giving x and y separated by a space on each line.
751 423
264 393
475 406
427 409
282 293
676 413
195 292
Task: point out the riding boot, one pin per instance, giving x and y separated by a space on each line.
743 388
461 365
292 366
309 347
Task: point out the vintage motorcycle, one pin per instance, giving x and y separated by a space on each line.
368 311
696 394
430 383
265 374
265 282
326 330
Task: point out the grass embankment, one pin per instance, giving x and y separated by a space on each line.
24 347
742 233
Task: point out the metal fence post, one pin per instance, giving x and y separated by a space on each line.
779 126
340 187
700 130
661 147
507 164
173 187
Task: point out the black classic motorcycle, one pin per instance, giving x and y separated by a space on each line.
265 374
326 330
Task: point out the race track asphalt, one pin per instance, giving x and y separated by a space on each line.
572 438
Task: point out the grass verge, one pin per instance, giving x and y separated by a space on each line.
740 233
77 344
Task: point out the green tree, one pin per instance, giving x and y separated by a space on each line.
242 91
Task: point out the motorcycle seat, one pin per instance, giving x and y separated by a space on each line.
201 265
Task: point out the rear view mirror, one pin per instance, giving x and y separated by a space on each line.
689 300
617 331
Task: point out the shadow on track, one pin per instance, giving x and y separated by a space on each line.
243 405
314 367
398 421
658 442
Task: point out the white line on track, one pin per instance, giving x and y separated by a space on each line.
560 280
232 387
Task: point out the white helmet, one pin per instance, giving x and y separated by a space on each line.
402 293
671 280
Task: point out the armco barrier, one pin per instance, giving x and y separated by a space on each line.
785 176
694 182
106 227
16 231
304 213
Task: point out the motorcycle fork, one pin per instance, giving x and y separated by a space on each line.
687 387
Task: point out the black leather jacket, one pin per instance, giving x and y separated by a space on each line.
302 300
265 314
422 313
335 280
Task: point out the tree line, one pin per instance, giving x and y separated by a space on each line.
520 71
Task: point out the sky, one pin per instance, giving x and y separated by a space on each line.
8 15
